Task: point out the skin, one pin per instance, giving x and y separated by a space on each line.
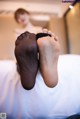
24 19
49 50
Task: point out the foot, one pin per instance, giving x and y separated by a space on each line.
49 50
26 55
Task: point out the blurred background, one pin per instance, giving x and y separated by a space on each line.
63 18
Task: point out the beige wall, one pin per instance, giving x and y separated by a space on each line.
7 37
58 27
73 22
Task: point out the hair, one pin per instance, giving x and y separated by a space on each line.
20 11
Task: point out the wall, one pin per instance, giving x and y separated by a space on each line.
7 37
58 27
73 24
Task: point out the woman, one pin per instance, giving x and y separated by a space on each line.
23 17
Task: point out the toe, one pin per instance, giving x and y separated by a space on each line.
45 30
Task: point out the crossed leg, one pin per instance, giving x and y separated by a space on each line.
49 50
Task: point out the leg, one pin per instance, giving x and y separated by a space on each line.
49 50
26 55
